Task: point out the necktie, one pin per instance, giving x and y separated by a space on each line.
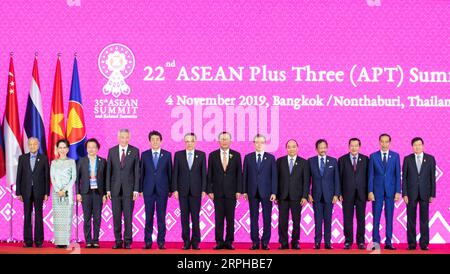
291 165
258 163
122 159
155 159
354 164
419 163
190 160
224 161
33 162
322 166
384 159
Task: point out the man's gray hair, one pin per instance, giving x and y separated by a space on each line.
123 130
33 139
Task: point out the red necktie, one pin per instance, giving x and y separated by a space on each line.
122 159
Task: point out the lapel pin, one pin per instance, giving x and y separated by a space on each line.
231 156
38 159
328 160
296 163
424 160
196 156
265 158
160 155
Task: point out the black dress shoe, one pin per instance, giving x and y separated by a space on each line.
127 245
27 245
88 245
283 247
254 247
316 246
328 246
195 247
218 247
265 247
361 246
38 245
95 246
412 247
390 247
296 246
148 246
61 246
424 247
161 246
117 246
186 246
347 246
229 247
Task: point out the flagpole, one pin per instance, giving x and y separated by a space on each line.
76 200
11 239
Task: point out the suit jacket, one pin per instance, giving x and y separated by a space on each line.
293 186
421 184
224 183
327 185
264 179
157 180
83 175
127 177
383 180
189 182
39 177
351 180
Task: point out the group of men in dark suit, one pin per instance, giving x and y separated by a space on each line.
289 181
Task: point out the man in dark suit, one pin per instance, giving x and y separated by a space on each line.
224 188
260 187
293 183
91 190
353 175
33 188
326 190
122 186
189 186
419 187
384 188
156 180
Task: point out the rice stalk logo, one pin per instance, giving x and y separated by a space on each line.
116 62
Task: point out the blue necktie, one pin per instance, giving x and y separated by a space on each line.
291 165
155 159
190 160
384 160
33 162
258 163
322 166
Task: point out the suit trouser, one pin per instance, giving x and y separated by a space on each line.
224 209
349 206
377 207
160 202
254 219
28 204
123 205
411 222
322 214
284 206
190 207
92 212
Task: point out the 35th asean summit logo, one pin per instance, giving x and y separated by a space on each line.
116 62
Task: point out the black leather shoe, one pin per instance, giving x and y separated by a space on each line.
412 247
283 247
424 247
95 246
254 247
27 245
296 246
218 247
316 246
38 245
347 246
186 246
161 246
195 247
118 245
361 246
265 247
390 247
229 247
328 246
127 245
148 246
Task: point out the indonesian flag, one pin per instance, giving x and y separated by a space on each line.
11 129
57 129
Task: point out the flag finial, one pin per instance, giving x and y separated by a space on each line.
11 53
75 54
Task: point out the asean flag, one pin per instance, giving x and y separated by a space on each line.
75 129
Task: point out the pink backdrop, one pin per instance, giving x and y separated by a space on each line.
327 35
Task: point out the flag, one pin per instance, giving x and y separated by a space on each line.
76 131
57 130
33 125
2 153
11 128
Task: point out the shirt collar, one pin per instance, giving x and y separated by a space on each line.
261 152
351 156
382 153
420 154
292 157
158 151
121 147
187 152
34 154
